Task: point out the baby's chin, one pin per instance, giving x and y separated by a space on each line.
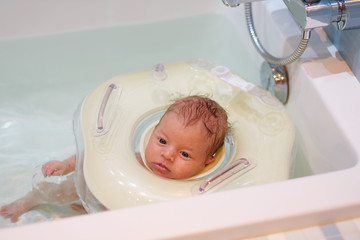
163 175
167 175
171 176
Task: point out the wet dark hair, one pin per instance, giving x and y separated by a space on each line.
193 109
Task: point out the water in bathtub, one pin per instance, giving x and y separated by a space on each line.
44 78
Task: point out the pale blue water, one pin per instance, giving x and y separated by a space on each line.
44 78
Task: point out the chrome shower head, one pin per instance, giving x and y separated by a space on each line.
232 3
235 3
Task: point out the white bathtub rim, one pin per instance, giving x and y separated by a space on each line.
232 219
330 92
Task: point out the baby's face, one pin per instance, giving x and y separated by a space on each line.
175 151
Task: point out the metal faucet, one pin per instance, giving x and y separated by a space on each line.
310 14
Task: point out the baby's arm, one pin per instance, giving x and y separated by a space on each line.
59 168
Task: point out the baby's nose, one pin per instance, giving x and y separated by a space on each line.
168 154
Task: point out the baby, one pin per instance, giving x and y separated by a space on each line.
182 144
186 138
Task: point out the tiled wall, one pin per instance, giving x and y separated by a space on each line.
345 230
348 44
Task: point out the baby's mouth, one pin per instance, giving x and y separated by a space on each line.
160 167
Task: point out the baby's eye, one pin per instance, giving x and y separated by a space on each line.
162 141
185 154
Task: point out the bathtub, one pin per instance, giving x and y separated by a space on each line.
323 91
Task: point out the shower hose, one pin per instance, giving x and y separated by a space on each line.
267 56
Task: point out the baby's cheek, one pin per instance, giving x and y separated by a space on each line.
187 170
150 147
148 154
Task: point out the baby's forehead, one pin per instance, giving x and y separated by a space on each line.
173 116
172 119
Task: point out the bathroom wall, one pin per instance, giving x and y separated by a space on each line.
348 44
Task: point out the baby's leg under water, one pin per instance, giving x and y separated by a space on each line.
46 193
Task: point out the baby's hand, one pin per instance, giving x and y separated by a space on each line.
53 168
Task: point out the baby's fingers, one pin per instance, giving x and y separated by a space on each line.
51 169
47 171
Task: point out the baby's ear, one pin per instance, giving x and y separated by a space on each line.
210 159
